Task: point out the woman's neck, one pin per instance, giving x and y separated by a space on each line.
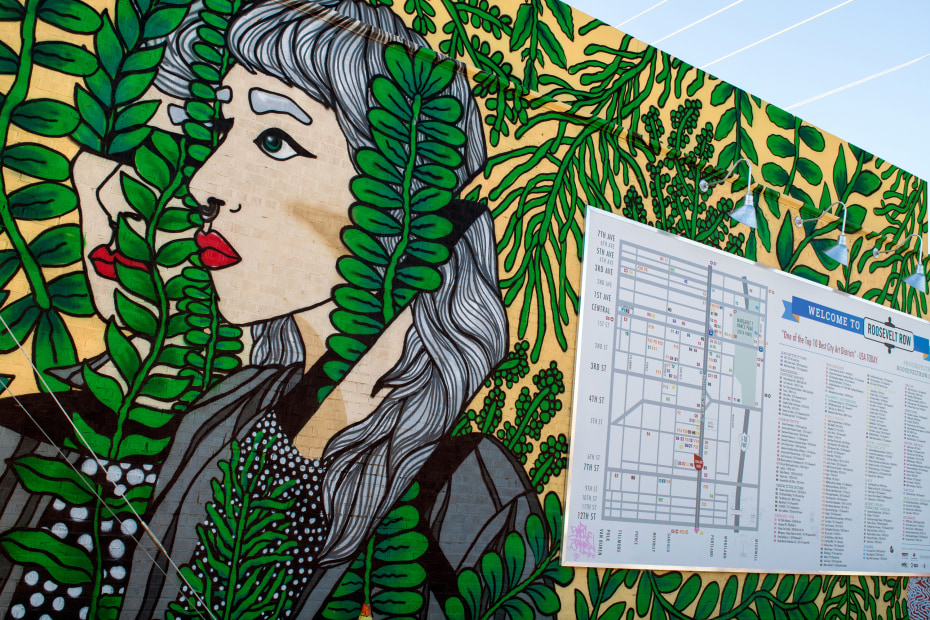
352 400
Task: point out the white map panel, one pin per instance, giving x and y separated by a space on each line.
717 404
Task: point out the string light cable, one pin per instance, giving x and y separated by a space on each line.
856 83
641 13
779 33
100 464
693 24
89 488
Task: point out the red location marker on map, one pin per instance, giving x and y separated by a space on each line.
698 463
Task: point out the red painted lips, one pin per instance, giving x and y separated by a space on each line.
104 261
215 251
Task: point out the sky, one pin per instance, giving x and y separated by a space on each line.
888 116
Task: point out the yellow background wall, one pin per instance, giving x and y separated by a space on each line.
574 113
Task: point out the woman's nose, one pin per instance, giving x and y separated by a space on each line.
98 177
110 195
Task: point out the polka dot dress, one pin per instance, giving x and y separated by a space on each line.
37 594
304 523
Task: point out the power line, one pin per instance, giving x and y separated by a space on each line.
91 489
641 13
706 17
856 83
102 467
780 32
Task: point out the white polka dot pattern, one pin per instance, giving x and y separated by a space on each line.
306 524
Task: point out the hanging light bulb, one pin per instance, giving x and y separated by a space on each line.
918 279
745 213
839 252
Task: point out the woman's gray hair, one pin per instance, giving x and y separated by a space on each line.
459 334
332 50
277 343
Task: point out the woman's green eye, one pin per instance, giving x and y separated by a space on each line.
277 144
272 143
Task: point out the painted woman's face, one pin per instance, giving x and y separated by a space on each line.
278 187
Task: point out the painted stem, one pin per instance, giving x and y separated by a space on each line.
226 63
210 348
496 397
97 556
366 580
596 602
15 96
544 467
233 580
161 329
388 309
806 241
525 420
537 572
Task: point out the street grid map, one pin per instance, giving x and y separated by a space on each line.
715 407
685 423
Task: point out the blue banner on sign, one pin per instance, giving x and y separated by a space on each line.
922 345
798 307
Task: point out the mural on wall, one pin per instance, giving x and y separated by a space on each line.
331 276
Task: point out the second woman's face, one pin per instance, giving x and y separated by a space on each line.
278 188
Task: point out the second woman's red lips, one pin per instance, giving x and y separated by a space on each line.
215 251
104 261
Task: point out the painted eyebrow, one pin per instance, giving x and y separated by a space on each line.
266 102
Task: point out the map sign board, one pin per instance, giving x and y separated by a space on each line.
728 416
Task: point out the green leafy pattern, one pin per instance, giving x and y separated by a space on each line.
237 572
533 412
575 115
43 195
407 181
510 371
389 575
211 344
586 162
506 584
151 377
